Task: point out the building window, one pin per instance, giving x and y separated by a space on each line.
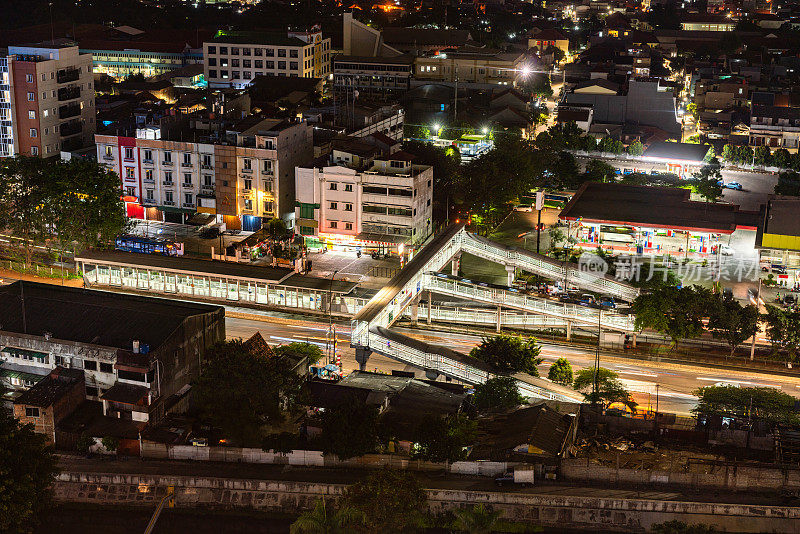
333 186
293 53
268 206
334 205
129 153
306 211
129 174
148 174
348 207
248 185
34 151
248 204
168 197
212 73
247 163
258 52
168 177
281 65
187 198
270 52
281 52
259 63
246 63
187 179
333 224
348 187
106 367
212 62
234 51
148 155
31 97
187 158
207 160
90 365
212 49
149 194
270 64
293 65
223 50
207 180
348 226
235 63
33 132
168 157
31 412
32 115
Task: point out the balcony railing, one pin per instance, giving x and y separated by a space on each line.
207 167
185 164
108 157
165 162
149 201
147 161
267 172
68 93
207 189
188 204
68 75
65 112
70 128
248 171
169 202
168 183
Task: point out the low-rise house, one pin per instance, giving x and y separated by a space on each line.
51 400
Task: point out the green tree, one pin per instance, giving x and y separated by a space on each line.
729 154
390 500
281 442
508 354
767 404
325 519
636 148
440 439
499 394
298 350
677 313
609 388
732 322
691 108
350 429
744 155
782 158
27 471
241 391
679 527
599 171
483 519
416 131
783 329
611 146
84 443
276 228
561 372
110 443
762 156
706 181
788 184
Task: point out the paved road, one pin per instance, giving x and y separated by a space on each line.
676 382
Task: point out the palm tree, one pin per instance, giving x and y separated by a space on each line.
482 519
325 520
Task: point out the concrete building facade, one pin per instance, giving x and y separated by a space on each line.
233 59
46 100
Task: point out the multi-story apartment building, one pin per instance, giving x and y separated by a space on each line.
46 100
775 127
233 59
471 66
364 199
379 79
244 176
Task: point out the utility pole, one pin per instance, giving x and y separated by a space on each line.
596 385
331 331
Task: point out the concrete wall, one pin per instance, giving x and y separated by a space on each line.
591 513
723 477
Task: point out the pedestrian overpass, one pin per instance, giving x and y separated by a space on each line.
371 326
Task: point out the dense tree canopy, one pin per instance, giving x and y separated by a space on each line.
440 439
508 354
391 501
350 429
732 322
609 389
74 204
675 312
27 468
497 394
767 404
561 372
241 392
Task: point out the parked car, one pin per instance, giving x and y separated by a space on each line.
588 300
725 250
733 185
520 475
569 297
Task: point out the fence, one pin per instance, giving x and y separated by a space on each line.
164 451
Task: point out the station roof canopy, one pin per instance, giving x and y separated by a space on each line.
779 226
684 152
653 207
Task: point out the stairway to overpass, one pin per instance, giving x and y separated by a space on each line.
371 326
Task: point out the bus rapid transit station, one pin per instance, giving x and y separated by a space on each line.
402 297
652 220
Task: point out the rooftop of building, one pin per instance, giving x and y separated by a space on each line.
711 18
93 317
273 38
653 207
677 151
402 59
779 217
549 35
424 36
51 388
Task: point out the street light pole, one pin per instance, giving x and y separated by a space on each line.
331 333
758 301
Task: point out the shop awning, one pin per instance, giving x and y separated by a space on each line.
22 375
173 209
